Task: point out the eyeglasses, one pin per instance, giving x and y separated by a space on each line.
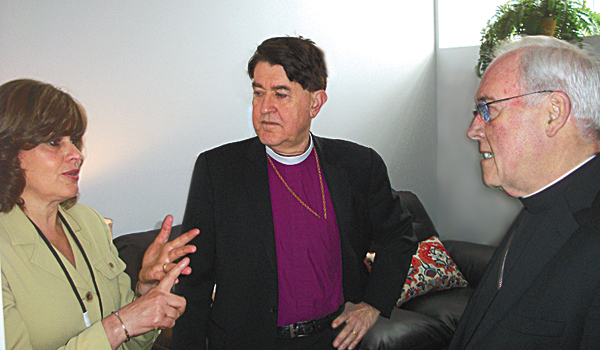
483 110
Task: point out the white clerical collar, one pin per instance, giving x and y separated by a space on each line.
560 178
292 160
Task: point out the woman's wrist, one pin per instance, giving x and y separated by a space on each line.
114 330
127 337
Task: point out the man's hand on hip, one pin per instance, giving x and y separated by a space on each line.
359 319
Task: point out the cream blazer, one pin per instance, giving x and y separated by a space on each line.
40 308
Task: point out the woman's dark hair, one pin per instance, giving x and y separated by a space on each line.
302 61
31 113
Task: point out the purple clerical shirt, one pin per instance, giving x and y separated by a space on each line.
309 258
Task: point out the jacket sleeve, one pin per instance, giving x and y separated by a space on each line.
393 237
190 331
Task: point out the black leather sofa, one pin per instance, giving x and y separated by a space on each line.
425 322
429 321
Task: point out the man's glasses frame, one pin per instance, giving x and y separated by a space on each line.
483 110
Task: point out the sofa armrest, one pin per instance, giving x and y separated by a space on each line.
406 330
471 258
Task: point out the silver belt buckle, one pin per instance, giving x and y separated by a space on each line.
292 334
293 331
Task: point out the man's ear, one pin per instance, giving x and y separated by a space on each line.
319 98
559 110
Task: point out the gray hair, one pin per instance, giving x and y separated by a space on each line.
547 63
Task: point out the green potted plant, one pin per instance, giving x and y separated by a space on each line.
569 20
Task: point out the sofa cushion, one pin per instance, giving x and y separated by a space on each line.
431 269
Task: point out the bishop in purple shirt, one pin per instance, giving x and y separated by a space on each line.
285 221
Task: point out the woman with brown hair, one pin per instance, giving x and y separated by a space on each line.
63 284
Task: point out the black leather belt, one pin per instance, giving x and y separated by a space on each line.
305 328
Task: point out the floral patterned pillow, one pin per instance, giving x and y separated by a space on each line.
431 269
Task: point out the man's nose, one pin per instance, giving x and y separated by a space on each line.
267 106
476 130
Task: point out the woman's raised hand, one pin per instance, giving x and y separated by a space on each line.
161 255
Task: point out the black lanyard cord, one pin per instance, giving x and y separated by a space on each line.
87 261
63 267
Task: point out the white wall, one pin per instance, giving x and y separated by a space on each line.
164 80
467 209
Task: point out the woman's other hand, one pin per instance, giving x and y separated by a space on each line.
157 309
160 256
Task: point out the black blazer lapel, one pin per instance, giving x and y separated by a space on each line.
256 178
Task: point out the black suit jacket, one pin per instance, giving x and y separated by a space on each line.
230 202
550 298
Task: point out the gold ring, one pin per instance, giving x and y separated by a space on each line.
354 332
165 267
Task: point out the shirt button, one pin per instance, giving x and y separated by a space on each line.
89 296
273 309
111 265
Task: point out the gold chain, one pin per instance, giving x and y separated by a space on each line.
295 195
